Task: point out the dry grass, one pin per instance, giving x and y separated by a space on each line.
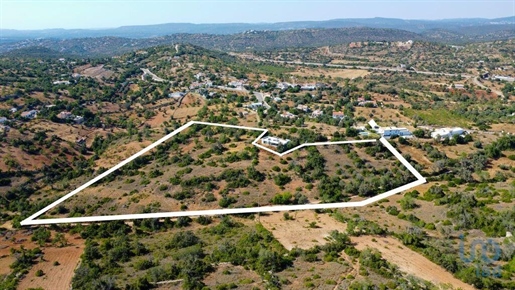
56 277
333 72
409 261
287 231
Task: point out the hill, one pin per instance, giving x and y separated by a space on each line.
252 40
35 52
147 31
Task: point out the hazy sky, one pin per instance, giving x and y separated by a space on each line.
20 14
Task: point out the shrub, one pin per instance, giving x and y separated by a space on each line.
281 179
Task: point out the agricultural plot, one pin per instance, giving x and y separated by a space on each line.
206 167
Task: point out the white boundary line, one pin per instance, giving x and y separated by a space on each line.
31 220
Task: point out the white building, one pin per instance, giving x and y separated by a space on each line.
78 119
284 85
3 120
65 115
288 115
447 133
303 108
388 132
317 113
30 114
61 82
176 95
308 87
255 106
338 115
504 78
274 141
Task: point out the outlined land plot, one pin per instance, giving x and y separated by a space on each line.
187 172
212 169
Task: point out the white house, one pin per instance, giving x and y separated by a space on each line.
303 108
30 114
308 87
504 78
176 95
388 132
338 115
255 106
61 82
65 115
447 133
78 119
274 141
283 85
317 113
3 120
288 115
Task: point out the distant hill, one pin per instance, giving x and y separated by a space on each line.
255 40
147 31
35 52
244 36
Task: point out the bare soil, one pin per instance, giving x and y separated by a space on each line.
342 73
287 231
56 277
409 261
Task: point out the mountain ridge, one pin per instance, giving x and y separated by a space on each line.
153 30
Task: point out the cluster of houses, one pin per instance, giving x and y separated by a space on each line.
65 115
438 134
200 82
304 87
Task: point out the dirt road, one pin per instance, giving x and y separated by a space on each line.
410 262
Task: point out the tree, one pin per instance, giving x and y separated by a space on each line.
59 239
419 133
41 236
407 203
281 179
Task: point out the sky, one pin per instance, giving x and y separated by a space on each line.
43 14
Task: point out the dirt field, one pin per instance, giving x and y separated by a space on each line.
409 261
287 232
384 116
334 73
96 71
56 277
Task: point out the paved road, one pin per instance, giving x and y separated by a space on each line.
261 99
146 71
478 83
